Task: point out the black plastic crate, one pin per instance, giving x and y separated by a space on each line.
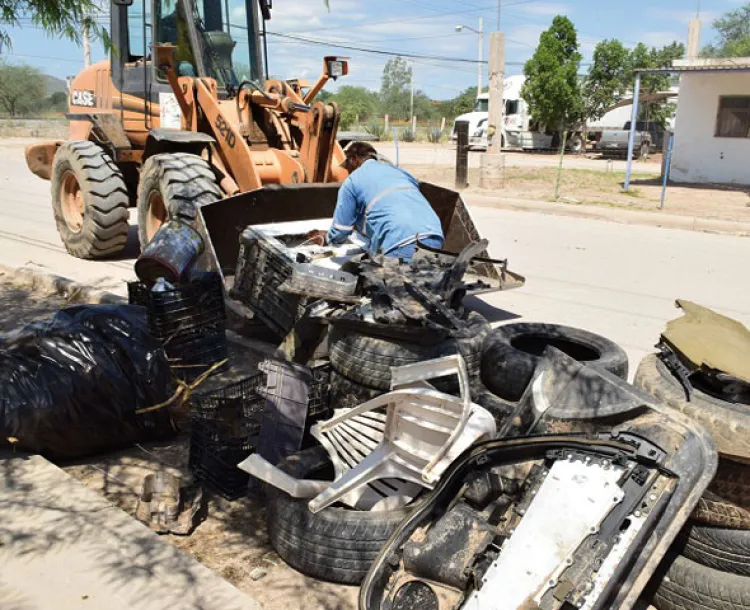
193 308
262 266
319 397
224 430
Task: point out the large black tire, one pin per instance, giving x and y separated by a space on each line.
173 185
512 351
691 586
723 549
368 360
728 423
335 544
89 200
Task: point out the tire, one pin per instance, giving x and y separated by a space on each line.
732 482
575 144
728 423
368 360
715 510
512 351
89 201
336 544
723 549
346 393
172 185
690 586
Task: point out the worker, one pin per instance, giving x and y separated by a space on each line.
383 203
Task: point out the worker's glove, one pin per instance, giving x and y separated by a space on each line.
317 238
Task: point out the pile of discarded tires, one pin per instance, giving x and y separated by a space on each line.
709 566
339 544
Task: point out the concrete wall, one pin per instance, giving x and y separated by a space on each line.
698 155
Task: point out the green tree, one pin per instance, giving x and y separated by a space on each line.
395 89
21 89
641 57
355 102
552 88
463 102
61 18
606 81
734 34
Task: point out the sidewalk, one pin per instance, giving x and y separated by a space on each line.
64 547
612 214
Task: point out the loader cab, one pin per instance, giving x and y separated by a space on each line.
213 38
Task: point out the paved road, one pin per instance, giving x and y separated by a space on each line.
619 280
418 153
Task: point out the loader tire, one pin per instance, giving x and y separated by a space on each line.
335 544
512 352
89 201
173 185
727 422
686 585
720 548
368 360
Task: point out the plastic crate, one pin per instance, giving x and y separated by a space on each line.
192 308
319 394
224 431
189 321
262 266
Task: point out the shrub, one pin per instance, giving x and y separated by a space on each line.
407 135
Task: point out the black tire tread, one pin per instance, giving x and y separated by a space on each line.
690 586
727 423
335 544
105 223
715 510
723 549
185 181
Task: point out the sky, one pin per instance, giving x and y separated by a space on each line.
424 27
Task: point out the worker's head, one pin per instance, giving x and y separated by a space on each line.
356 154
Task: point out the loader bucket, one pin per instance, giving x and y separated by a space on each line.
221 223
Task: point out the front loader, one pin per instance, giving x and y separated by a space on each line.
181 123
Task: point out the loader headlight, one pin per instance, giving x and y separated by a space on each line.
337 68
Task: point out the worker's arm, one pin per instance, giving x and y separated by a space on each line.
344 216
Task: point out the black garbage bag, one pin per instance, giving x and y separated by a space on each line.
70 385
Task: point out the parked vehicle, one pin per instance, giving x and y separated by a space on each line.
648 137
476 118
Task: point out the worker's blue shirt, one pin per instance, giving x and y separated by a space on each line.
383 203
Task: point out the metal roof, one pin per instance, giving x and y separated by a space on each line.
702 67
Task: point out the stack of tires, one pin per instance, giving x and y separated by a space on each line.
338 544
709 565
361 363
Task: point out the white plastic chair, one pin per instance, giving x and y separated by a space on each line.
425 431
385 459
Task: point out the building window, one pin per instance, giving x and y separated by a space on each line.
733 120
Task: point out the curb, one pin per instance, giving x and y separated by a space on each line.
61 286
611 214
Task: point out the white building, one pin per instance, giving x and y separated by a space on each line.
712 126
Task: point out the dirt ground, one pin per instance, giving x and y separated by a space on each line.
588 187
232 541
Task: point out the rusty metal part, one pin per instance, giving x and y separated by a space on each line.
39 158
167 507
71 200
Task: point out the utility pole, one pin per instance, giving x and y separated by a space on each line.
492 175
86 40
480 66
411 103
499 5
